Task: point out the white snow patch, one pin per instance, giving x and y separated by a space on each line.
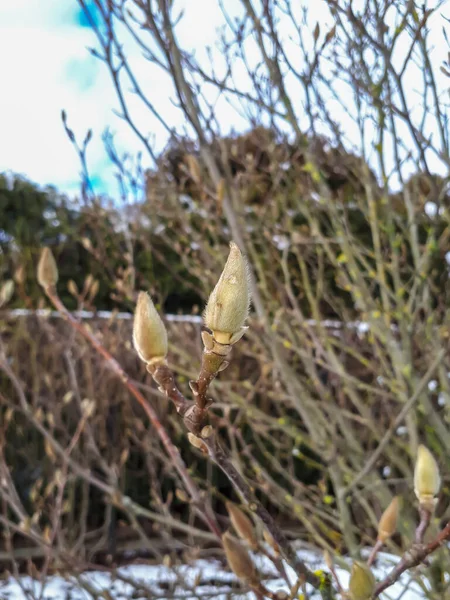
209 579
432 385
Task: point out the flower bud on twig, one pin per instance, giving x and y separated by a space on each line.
427 480
197 442
239 559
242 525
47 271
362 582
268 538
6 292
388 522
229 302
149 332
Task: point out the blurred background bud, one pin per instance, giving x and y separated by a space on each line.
47 271
362 582
242 525
388 522
427 480
239 559
6 292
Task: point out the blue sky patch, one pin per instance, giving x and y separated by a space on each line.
82 18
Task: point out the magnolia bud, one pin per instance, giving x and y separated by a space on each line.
228 304
19 275
47 271
6 292
270 540
149 332
242 525
388 522
239 559
362 582
427 480
197 442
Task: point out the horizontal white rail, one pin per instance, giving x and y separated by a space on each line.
361 326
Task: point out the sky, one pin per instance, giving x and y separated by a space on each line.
46 67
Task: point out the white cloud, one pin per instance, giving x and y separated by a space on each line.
46 68
37 83
50 69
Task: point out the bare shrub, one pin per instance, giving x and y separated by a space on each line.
342 377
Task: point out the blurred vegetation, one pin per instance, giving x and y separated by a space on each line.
86 240
173 244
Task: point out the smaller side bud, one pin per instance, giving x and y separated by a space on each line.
229 302
268 538
427 480
239 559
362 582
47 271
388 522
242 525
149 332
197 442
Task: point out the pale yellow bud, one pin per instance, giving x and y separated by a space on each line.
242 524
197 442
388 522
427 480
72 287
239 559
19 275
47 271
229 302
362 582
149 332
6 292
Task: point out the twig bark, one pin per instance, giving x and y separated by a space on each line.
412 558
203 508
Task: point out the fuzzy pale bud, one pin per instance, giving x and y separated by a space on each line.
47 271
229 302
6 292
388 522
149 332
362 582
427 480
242 525
239 559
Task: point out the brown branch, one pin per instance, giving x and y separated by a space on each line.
425 518
413 558
218 454
203 509
195 417
375 550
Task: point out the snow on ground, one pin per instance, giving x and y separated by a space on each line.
202 579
